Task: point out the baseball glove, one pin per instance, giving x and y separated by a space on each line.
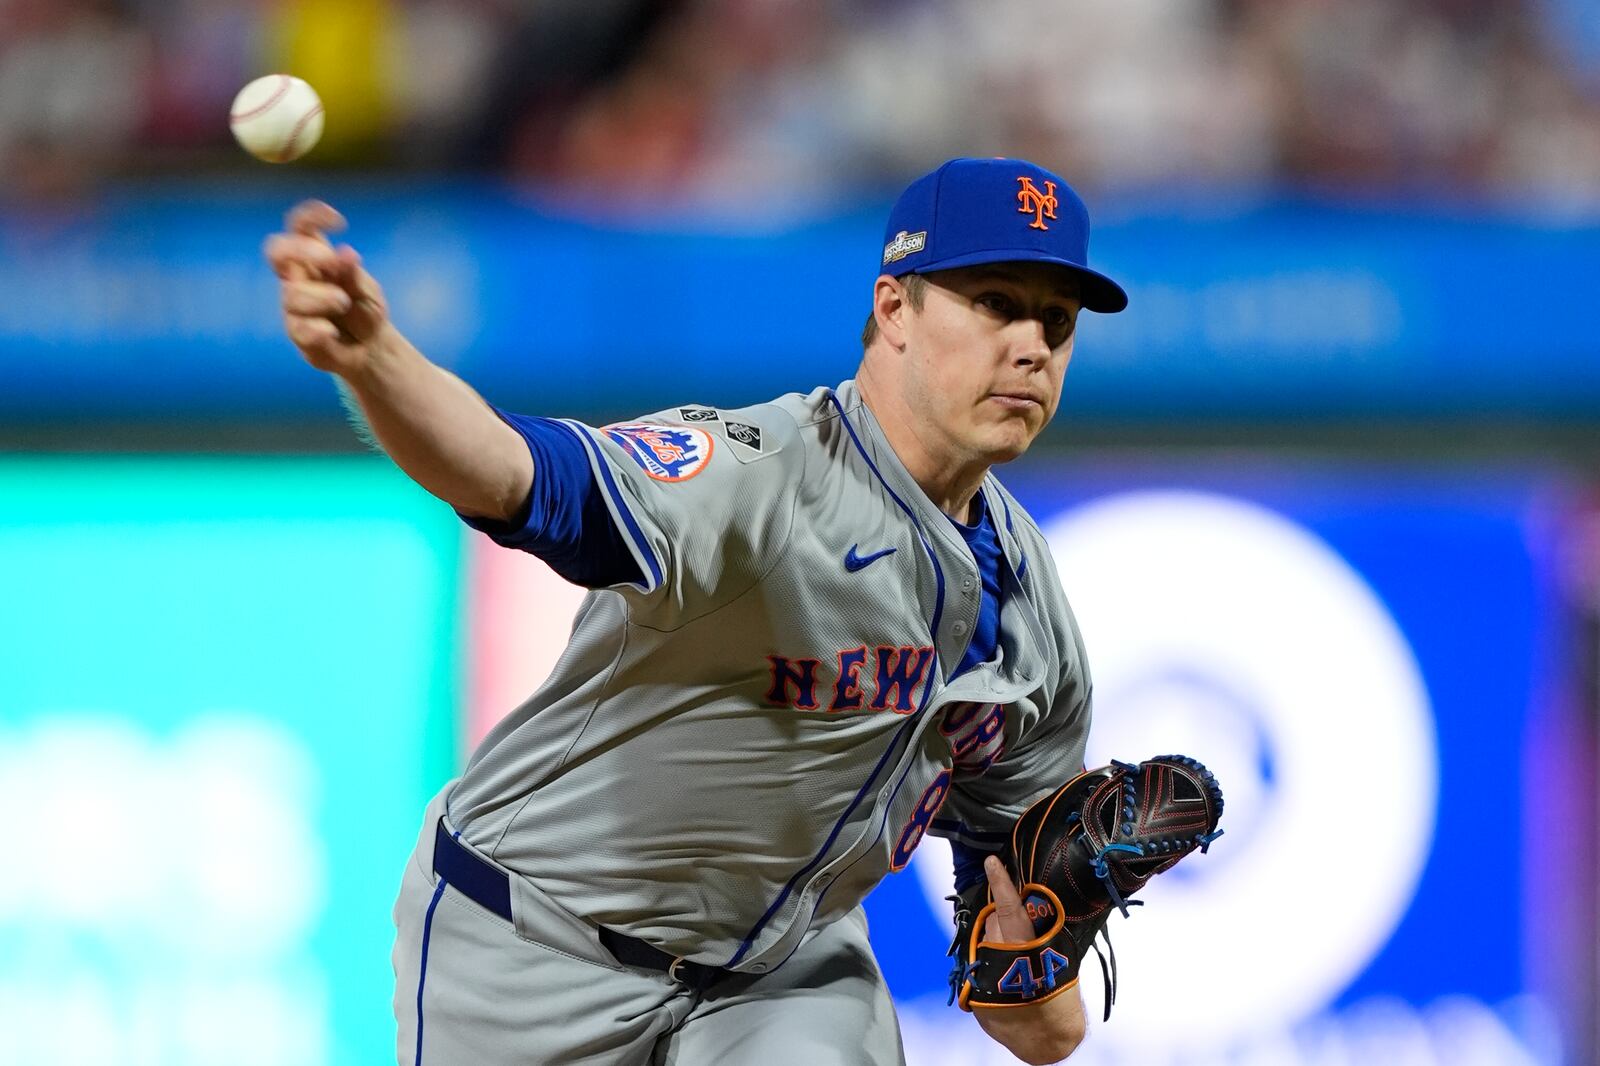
1076 854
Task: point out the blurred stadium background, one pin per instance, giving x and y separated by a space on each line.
1324 497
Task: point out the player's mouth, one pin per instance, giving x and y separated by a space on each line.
1019 400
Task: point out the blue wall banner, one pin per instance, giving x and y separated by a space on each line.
157 305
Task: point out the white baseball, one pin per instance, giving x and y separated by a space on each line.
277 118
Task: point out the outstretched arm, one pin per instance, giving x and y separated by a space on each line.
1042 1033
431 423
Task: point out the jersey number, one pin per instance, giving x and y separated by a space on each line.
927 807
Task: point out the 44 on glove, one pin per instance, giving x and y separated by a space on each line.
1076 854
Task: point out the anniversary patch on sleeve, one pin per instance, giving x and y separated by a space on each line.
748 435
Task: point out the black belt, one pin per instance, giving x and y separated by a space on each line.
634 952
490 888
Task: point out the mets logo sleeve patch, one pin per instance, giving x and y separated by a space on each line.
665 453
702 527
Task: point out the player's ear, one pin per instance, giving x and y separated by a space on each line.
890 308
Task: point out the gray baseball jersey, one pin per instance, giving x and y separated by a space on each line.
733 751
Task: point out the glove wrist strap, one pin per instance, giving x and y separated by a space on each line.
1002 974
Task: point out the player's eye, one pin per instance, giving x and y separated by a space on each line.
999 303
1058 323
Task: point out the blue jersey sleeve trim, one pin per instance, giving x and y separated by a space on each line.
564 521
641 544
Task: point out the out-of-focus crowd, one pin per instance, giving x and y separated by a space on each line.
756 105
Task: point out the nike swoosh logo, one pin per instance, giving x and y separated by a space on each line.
854 562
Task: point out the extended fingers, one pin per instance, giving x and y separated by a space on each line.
312 218
291 254
302 297
1009 922
1000 883
356 281
346 270
294 258
310 333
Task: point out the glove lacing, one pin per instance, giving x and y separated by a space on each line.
958 950
1109 976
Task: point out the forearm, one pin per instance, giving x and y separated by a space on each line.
439 431
1045 1033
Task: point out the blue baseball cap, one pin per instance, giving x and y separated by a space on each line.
973 211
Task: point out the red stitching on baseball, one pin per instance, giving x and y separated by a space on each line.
285 83
287 152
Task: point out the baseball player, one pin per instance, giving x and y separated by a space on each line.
818 629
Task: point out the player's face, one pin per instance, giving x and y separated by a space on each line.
987 354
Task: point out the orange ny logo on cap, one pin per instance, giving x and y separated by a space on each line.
1042 204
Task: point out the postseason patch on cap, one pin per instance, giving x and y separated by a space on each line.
904 244
666 453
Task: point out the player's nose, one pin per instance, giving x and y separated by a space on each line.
1028 343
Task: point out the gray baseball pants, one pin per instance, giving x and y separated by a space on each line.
472 989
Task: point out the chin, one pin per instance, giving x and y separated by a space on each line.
1001 442
1005 457
1003 451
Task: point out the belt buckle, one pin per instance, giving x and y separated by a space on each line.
672 970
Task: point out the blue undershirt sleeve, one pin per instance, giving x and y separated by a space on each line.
564 521
969 865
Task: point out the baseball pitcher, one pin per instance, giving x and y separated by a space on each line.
819 629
